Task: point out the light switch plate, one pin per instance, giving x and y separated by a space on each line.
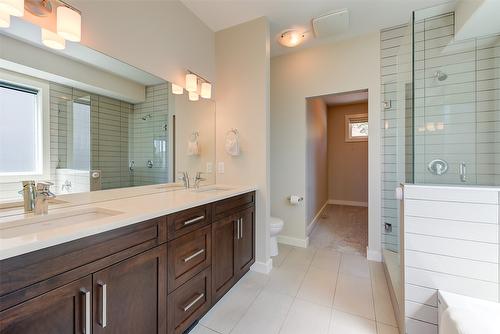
220 167
209 167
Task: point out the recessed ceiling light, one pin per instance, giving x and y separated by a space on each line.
291 38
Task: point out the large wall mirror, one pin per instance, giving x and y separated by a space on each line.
86 121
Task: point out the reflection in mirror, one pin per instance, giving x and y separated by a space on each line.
95 126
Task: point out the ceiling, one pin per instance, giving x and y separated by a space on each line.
365 15
332 100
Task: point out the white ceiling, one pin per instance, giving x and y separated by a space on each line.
365 15
345 98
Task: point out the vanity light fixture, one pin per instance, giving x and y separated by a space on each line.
191 82
12 7
193 96
53 40
4 20
206 90
69 23
291 38
177 90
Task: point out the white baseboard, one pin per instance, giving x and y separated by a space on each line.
350 203
262 267
311 225
373 255
297 242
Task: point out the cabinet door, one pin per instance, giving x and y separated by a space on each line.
64 310
223 265
130 296
245 242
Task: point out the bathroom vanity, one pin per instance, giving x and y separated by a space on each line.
155 267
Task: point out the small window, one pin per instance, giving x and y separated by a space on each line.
20 131
356 127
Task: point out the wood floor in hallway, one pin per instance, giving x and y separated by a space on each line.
343 228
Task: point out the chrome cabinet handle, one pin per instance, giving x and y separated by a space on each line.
237 229
194 220
192 256
86 312
104 292
188 306
241 228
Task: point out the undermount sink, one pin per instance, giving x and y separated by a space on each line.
170 186
17 226
212 188
20 204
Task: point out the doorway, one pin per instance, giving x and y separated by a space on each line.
337 171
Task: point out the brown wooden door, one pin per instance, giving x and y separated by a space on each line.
223 265
130 296
245 242
64 310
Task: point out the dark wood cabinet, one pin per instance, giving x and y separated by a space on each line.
120 281
223 269
129 297
64 310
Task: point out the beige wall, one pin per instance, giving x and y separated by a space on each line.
347 161
344 66
316 162
242 63
160 37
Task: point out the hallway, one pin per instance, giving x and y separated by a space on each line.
343 228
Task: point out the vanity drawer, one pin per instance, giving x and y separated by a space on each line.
188 255
186 221
233 204
189 302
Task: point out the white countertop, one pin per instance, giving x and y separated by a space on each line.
128 206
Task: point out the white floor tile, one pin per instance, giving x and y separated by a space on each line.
384 311
318 286
265 315
306 318
345 323
286 279
386 329
200 329
230 308
354 295
355 265
327 259
300 256
283 251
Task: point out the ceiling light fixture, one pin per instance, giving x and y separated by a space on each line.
12 7
206 90
191 82
53 40
69 24
291 38
177 90
4 20
193 96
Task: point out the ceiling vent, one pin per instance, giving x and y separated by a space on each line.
331 24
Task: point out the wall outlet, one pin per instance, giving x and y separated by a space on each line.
220 167
209 167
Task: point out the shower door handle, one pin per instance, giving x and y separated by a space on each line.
462 170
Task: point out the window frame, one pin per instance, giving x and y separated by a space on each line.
43 119
354 118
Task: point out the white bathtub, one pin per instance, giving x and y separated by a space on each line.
459 314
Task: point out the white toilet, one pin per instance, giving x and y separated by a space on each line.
275 226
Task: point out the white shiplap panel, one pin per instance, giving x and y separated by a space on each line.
420 294
452 229
452 194
419 327
473 212
471 250
461 285
421 312
485 271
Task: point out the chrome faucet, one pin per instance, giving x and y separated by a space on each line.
185 178
28 193
42 196
198 179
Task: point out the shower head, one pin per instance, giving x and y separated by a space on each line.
148 116
441 76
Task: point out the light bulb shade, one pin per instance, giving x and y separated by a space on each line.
206 90
69 24
12 7
193 96
291 38
177 90
52 40
4 20
191 82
